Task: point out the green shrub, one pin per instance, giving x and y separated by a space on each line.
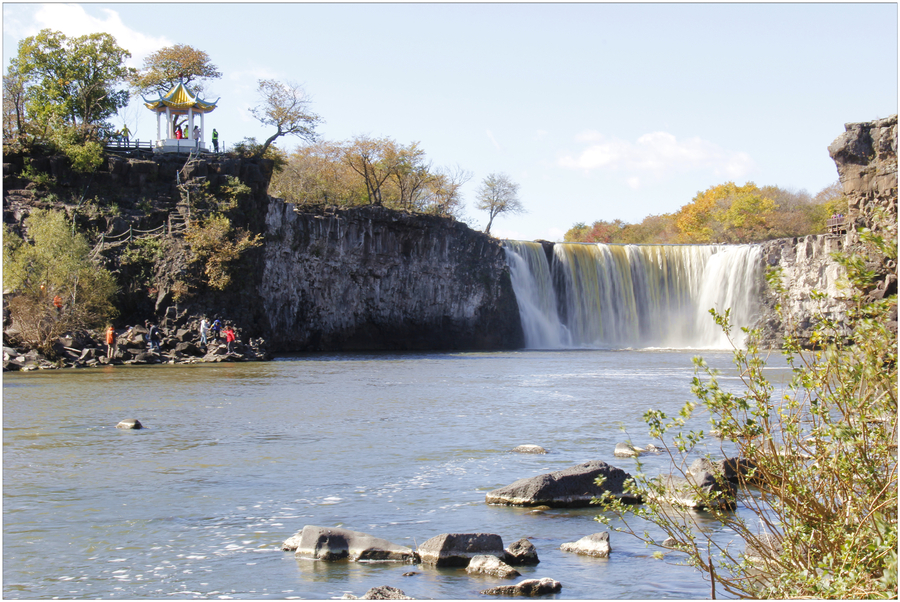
54 262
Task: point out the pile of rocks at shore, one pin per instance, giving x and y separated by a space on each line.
87 349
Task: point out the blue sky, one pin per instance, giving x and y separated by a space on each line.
597 111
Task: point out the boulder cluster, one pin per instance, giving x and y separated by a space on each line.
705 484
478 553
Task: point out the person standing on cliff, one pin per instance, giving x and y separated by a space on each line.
215 140
197 137
125 134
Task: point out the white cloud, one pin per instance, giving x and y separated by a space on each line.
656 154
73 20
633 182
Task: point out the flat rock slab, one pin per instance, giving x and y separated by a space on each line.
596 545
333 543
458 549
529 587
572 487
491 565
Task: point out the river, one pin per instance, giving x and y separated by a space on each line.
235 458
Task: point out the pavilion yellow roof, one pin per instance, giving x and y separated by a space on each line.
179 98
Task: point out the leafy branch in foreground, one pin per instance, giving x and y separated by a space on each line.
816 468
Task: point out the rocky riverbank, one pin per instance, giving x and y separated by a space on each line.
88 349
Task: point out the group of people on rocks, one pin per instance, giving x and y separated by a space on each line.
217 330
154 335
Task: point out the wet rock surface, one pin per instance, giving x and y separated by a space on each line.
571 487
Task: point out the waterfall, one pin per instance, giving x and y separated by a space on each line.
632 296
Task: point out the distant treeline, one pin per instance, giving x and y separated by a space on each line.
725 213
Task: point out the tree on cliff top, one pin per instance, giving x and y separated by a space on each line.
167 66
286 108
70 80
498 194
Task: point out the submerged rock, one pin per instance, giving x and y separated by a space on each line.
529 449
571 487
627 450
130 423
385 592
333 543
529 587
458 549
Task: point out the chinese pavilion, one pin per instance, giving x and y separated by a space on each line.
179 102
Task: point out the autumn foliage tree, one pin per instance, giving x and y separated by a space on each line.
370 171
726 213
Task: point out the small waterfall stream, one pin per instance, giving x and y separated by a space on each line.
632 296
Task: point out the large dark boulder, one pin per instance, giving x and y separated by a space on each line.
458 549
333 543
571 487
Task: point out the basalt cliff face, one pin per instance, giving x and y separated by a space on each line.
866 159
370 278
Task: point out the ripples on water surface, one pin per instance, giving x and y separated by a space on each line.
237 457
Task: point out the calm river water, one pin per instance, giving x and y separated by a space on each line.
235 458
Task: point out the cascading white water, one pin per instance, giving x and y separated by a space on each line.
621 296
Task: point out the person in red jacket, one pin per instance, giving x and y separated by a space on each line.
110 342
229 337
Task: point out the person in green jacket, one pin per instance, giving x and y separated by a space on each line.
215 140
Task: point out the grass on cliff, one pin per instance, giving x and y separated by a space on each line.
821 493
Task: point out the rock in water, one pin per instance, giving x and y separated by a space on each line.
529 587
571 487
385 592
491 565
458 549
596 545
130 423
521 552
332 543
530 449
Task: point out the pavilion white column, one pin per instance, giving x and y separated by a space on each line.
169 132
158 113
